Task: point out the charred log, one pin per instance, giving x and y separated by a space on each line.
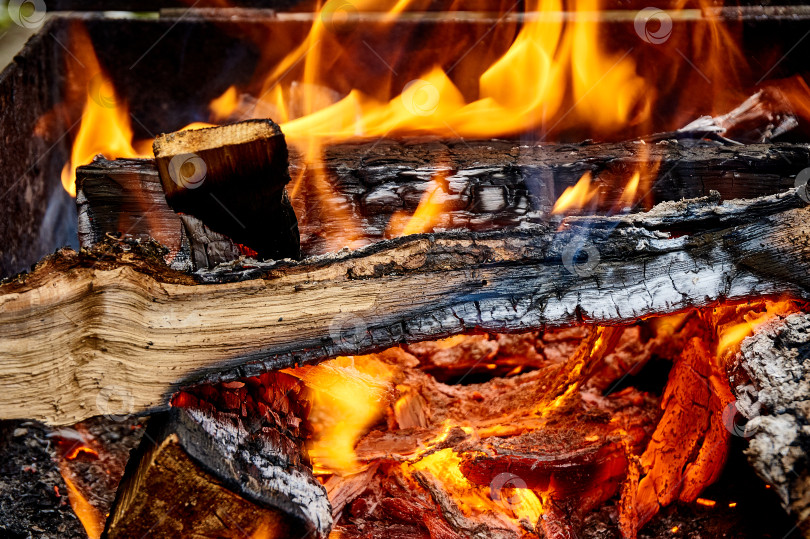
772 394
491 184
255 317
205 471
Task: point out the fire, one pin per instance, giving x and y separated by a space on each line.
349 394
748 318
89 516
427 215
445 466
576 197
105 126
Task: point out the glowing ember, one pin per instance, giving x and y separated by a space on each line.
82 449
705 502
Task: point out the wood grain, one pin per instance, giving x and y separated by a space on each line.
84 333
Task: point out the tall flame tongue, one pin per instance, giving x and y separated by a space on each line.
554 75
105 124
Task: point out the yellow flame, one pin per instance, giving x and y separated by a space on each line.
105 129
427 214
348 396
225 105
731 336
445 466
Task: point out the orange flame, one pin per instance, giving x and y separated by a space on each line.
427 214
89 516
732 334
105 124
576 197
349 394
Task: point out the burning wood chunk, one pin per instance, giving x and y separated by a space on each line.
232 178
770 384
227 464
125 198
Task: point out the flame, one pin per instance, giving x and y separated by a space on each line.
225 105
105 126
427 215
731 335
349 395
576 197
445 466
89 516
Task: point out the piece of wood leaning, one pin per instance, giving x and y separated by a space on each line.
232 178
208 472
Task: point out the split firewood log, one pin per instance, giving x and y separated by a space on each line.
232 178
409 289
225 462
488 185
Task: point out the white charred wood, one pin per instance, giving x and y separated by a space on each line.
773 394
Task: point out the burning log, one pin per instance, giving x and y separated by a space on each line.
223 470
404 290
491 185
770 384
232 178
125 197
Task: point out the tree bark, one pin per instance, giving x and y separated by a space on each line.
770 384
83 328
